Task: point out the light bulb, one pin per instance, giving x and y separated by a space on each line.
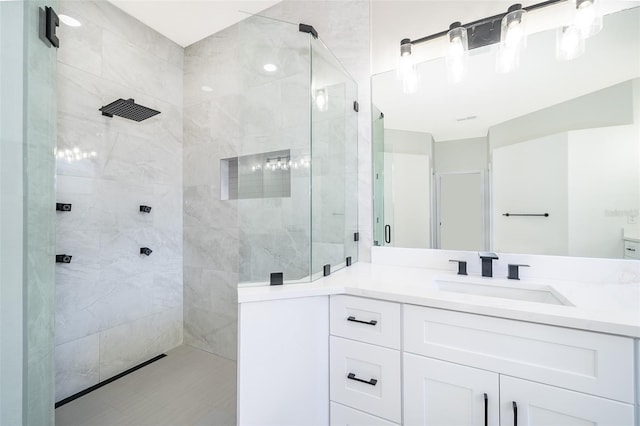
455 58
512 39
569 43
514 34
406 69
588 19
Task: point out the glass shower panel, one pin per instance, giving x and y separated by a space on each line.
28 134
334 162
378 178
273 153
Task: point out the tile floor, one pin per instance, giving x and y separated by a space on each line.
189 387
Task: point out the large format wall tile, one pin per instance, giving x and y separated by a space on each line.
130 344
77 365
108 167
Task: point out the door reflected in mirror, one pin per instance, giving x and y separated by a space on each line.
542 160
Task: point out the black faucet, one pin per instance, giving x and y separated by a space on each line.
487 259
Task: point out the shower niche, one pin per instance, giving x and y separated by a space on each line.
264 175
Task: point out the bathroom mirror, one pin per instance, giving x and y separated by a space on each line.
542 160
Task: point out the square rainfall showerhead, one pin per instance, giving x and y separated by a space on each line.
128 109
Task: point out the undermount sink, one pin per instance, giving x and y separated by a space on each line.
519 291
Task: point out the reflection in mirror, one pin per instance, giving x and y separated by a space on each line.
542 160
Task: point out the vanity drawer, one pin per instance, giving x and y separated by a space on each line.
366 320
342 415
593 363
631 249
365 377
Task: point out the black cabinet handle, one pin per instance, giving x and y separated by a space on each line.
352 376
353 319
486 410
387 234
631 249
515 414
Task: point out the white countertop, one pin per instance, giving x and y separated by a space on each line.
606 308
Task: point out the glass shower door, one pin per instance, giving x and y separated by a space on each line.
272 166
27 134
334 171
378 178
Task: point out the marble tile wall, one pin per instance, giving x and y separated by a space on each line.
244 112
114 307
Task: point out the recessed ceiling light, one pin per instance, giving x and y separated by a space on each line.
68 20
206 89
270 67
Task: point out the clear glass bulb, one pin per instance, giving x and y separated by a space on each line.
588 19
569 43
455 58
513 39
407 74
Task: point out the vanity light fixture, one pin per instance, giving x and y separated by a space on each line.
456 51
507 28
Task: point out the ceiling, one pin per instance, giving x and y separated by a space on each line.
186 22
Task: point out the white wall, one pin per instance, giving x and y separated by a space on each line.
460 155
602 203
611 106
531 177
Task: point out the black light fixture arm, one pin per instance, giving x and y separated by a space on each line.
481 21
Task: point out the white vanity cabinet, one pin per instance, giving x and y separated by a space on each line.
390 364
365 375
443 393
542 405
543 375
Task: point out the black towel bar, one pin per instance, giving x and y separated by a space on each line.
525 214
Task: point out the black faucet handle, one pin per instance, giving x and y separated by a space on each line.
513 273
462 266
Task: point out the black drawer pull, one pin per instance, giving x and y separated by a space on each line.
353 319
515 414
352 376
631 249
486 410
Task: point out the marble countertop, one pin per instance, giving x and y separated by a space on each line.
606 308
